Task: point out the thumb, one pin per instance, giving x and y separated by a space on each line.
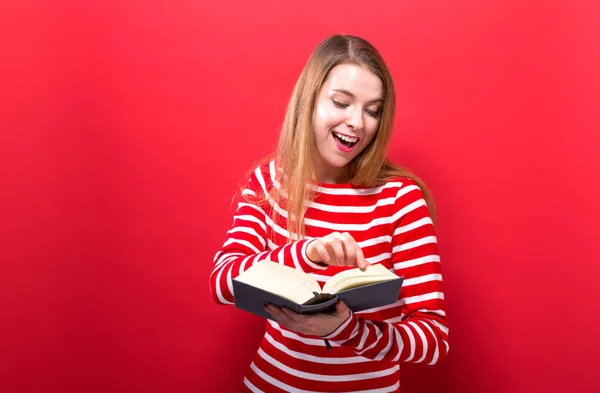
341 308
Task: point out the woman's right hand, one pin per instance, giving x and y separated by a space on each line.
337 249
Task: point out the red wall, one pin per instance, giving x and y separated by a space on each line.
124 129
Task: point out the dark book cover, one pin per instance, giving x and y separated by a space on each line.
379 294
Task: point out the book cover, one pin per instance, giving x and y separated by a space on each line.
253 299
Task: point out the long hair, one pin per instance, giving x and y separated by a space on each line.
296 150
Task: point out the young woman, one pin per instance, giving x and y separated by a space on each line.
328 200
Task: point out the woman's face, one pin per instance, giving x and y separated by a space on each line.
347 114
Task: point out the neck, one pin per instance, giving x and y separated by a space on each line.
332 175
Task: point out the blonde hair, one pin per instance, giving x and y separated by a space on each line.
296 150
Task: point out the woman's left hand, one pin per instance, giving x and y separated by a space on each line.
321 324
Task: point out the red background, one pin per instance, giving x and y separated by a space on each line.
125 128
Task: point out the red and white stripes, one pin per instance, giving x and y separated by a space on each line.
391 223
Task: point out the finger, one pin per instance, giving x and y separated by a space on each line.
337 249
322 250
342 309
277 314
285 318
350 247
293 316
361 261
360 258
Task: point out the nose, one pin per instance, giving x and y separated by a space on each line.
355 118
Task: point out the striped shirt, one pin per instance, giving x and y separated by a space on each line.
392 225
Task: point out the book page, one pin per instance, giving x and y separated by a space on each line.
281 280
353 278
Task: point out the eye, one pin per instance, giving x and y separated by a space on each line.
373 113
339 104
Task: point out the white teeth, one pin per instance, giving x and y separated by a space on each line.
346 138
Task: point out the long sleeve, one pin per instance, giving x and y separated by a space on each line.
247 242
415 328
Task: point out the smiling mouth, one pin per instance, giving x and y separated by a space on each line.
345 140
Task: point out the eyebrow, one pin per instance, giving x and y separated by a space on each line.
346 92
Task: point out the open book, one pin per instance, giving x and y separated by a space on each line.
268 282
